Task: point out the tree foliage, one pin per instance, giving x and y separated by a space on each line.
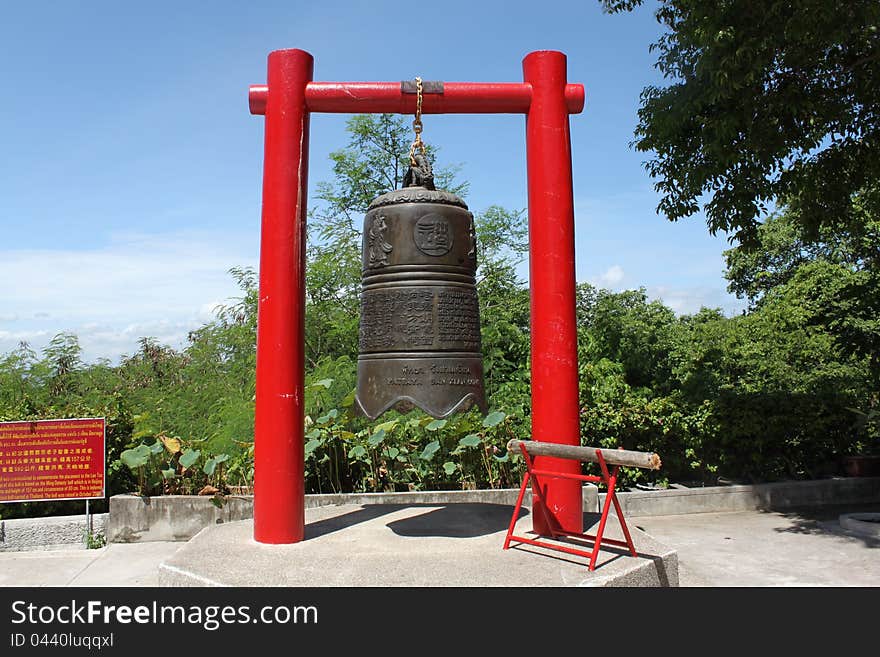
766 101
776 106
835 277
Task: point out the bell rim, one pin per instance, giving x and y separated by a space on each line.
468 401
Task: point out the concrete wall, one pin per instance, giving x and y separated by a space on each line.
767 497
170 517
179 518
47 533
490 496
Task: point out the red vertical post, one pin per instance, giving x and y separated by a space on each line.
555 409
279 487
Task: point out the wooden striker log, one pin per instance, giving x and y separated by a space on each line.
647 460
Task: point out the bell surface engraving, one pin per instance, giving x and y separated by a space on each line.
379 248
432 235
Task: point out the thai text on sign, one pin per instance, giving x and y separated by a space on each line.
52 460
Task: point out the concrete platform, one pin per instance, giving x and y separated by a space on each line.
411 545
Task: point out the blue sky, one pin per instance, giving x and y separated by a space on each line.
130 175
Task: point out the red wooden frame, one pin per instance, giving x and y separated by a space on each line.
532 475
286 101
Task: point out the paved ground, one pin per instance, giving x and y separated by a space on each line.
756 548
749 548
135 564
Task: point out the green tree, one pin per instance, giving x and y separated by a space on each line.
776 105
783 244
218 380
783 247
628 329
766 101
16 384
777 386
834 277
502 238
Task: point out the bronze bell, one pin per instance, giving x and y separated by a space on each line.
420 321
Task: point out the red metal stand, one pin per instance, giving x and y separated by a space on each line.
287 100
532 475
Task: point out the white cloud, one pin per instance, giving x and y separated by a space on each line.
14 337
160 285
689 300
610 278
210 308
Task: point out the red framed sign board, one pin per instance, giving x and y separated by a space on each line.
47 460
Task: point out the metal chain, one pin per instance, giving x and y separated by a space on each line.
417 125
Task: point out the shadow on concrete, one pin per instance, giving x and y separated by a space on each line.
457 520
824 520
660 567
450 520
336 523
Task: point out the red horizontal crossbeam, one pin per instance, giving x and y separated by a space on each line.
387 97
